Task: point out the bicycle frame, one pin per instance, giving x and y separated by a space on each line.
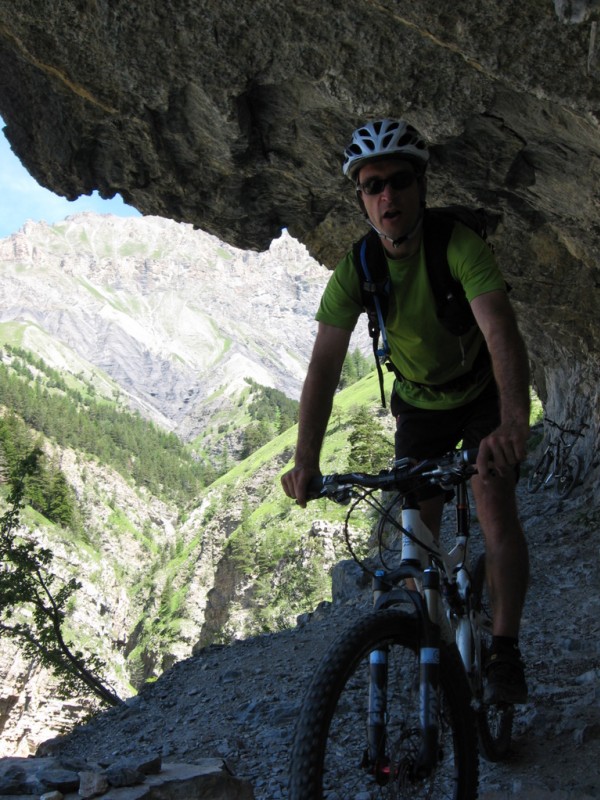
563 451
559 451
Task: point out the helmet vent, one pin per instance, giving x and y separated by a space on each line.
382 138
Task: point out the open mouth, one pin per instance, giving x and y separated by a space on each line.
391 214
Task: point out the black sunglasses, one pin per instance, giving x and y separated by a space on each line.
402 179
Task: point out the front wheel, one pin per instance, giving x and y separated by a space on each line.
330 757
540 472
494 722
568 478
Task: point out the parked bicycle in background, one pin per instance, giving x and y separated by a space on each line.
557 463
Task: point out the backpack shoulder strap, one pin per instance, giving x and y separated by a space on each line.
371 265
374 281
452 306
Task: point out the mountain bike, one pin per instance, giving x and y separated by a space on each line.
557 463
396 708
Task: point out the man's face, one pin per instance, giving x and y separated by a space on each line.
391 195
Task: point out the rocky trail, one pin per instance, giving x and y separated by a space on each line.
240 702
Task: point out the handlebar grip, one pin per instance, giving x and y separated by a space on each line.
469 456
314 490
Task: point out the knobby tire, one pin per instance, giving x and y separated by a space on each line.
540 472
568 478
494 723
330 740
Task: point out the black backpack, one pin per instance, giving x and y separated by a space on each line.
452 307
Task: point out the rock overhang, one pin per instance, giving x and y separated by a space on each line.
233 116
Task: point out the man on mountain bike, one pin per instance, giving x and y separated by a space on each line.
444 392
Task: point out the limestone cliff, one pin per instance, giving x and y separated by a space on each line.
232 116
175 318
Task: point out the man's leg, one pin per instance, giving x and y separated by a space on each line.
431 513
507 569
507 557
421 433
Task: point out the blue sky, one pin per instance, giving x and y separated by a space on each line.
22 198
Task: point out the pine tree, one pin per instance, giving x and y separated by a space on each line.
27 583
370 447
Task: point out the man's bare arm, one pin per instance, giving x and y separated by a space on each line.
507 445
316 401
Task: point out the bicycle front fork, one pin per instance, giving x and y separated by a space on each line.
429 672
378 759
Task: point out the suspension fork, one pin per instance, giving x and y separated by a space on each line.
464 633
429 674
428 608
377 709
462 537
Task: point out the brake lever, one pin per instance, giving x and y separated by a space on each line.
324 486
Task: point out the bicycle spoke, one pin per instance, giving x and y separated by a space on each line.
396 774
568 478
332 756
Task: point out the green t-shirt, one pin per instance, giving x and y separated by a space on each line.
421 348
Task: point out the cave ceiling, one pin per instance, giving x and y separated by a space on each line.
232 116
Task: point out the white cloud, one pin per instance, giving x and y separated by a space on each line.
22 198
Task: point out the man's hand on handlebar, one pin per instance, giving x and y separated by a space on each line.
295 483
502 450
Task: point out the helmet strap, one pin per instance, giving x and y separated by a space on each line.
407 236
415 228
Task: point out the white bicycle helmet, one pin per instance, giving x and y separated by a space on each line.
384 137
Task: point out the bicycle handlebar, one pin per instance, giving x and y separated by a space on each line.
405 476
579 432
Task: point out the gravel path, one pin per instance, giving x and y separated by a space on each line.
240 701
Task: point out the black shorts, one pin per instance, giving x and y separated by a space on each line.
423 433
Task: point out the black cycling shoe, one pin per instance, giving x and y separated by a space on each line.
505 678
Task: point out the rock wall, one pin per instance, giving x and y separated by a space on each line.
26 688
232 116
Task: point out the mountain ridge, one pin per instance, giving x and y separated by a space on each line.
139 300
